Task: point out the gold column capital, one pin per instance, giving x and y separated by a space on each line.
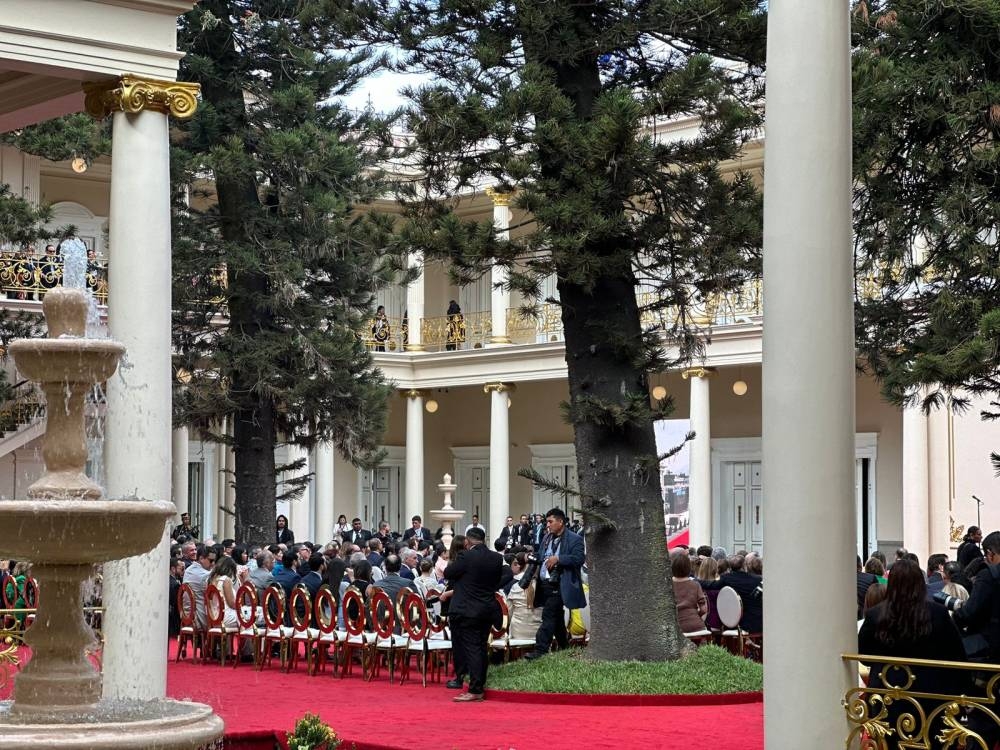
499 387
698 372
133 94
500 197
414 393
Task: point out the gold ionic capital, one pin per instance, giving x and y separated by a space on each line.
500 197
499 387
698 372
414 393
133 94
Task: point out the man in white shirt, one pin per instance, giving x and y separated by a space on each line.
196 576
475 524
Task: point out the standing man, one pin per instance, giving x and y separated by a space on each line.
969 550
185 529
507 536
358 535
475 524
561 556
417 530
475 577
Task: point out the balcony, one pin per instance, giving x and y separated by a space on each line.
29 277
544 325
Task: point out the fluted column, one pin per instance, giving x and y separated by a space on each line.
808 371
138 443
415 305
179 469
700 480
500 296
299 516
323 487
414 500
499 505
916 483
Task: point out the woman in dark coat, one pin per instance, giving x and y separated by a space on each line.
908 625
284 534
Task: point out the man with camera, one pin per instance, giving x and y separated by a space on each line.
560 558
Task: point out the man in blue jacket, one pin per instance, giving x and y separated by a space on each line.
561 556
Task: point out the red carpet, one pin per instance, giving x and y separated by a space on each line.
382 716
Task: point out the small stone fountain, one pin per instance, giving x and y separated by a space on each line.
65 528
447 515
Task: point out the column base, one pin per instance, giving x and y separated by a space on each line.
414 348
499 341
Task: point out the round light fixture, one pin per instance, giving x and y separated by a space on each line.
79 165
509 402
431 406
740 387
659 392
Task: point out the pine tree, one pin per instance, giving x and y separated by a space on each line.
275 272
926 155
563 102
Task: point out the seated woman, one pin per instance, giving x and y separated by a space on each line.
692 604
525 618
223 577
910 626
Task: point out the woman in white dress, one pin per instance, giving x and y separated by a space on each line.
223 577
525 618
342 527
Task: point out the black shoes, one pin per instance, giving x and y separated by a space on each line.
533 655
455 684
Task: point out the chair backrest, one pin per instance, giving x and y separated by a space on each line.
9 593
274 606
215 606
729 606
354 602
31 593
299 608
325 610
186 605
246 605
383 613
504 617
415 621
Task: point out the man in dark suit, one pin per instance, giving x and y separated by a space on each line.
561 556
358 535
288 578
750 587
475 577
417 530
314 578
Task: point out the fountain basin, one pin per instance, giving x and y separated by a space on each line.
157 725
67 360
75 531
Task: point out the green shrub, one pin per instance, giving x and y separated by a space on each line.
311 733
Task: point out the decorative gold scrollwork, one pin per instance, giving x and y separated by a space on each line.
134 94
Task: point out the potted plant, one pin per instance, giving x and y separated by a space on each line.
311 733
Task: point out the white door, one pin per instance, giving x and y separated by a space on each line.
743 506
382 497
473 495
864 494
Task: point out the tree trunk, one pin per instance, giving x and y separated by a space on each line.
254 437
633 612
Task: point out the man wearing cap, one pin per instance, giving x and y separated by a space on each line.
475 577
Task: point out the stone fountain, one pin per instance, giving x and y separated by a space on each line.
447 515
65 528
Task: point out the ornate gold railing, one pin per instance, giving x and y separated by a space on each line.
905 713
27 406
453 332
526 328
13 626
24 277
386 335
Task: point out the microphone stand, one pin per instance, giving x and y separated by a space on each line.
979 504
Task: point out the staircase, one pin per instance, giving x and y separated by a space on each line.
22 418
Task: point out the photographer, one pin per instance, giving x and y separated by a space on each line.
560 559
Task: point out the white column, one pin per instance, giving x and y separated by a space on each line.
916 483
138 443
179 469
499 506
415 305
414 454
500 295
700 480
808 371
323 486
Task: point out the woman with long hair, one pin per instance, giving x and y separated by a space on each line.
341 527
223 577
525 618
908 625
283 534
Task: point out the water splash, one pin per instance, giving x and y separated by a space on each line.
74 253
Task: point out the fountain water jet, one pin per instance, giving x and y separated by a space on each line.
65 528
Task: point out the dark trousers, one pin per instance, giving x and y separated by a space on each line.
470 642
553 619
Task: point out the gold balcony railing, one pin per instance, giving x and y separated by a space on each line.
526 328
901 708
455 332
386 335
26 406
29 277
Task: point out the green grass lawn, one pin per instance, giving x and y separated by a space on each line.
709 669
